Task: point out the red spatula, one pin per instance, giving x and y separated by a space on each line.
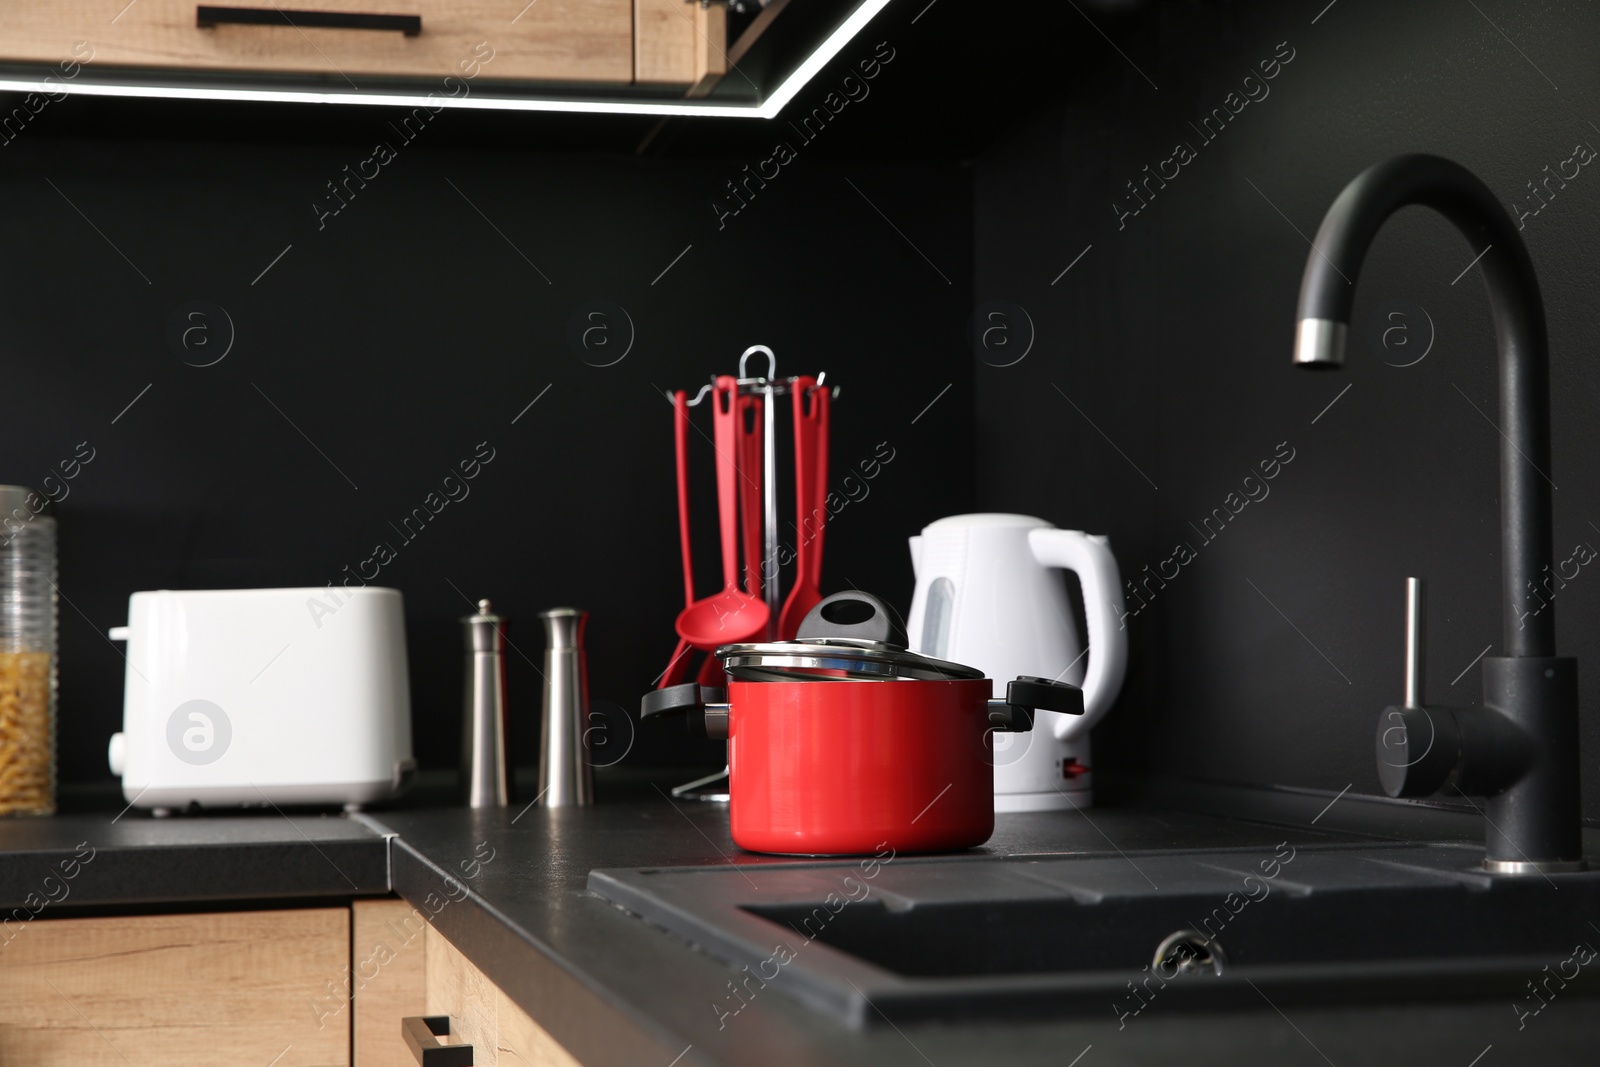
810 506
678 667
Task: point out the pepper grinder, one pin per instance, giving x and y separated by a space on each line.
484 770
565 776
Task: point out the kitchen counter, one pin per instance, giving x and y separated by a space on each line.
614 989
508 888
130 860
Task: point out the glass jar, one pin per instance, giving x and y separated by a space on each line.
27 653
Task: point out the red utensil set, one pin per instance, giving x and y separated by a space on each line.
738 611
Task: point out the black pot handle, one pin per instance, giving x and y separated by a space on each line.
1012 718
689 696
1042 694
706 708
852 614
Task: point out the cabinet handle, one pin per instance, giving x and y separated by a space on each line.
422 1034
208 17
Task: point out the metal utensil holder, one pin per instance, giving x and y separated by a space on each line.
768 388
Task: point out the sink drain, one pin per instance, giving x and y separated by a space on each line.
1188 952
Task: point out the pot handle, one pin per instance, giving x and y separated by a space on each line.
1045 694
1026 695
1089 557
706 708
852 614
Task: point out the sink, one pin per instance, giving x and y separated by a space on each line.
902 939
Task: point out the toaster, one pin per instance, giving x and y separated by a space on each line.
255 697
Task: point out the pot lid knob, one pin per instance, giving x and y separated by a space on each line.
853 615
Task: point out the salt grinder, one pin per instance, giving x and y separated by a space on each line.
565 776
484 769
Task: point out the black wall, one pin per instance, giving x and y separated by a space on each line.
1269 657
408 330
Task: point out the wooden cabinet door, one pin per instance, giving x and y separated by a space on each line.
559 40
501 1034
260 987
389 978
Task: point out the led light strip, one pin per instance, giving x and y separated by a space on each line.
768 108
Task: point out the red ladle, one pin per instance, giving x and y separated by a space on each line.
808 524
748 474
731 616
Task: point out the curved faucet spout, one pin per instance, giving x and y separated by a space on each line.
1327 291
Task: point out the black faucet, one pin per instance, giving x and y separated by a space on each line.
1520 749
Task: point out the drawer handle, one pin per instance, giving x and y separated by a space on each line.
422 1034
208 17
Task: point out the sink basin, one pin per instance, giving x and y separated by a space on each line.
905 939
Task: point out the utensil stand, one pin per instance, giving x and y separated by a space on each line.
768 388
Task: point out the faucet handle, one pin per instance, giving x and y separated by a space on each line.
1416 746
1414 643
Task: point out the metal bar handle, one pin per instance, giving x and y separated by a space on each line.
207 17
422 1034
1415 642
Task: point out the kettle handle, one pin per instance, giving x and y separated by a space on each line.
1090 558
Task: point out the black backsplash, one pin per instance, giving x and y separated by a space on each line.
1160 375
374 349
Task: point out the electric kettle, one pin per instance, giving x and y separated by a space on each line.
986 595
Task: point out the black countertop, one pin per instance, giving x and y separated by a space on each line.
614 989
130 860
508 887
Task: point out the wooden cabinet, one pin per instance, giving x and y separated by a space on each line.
178 990
388 956
501 1034
301 988
404 967
608 41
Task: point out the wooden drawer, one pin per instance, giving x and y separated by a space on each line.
178 990
562 40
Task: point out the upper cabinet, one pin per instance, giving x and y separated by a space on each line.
679 43
598 55
547 40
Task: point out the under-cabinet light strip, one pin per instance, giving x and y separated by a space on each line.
768 108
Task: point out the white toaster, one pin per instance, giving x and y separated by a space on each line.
264 697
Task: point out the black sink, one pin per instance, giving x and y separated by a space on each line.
906 939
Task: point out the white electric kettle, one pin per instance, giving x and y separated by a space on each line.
986 596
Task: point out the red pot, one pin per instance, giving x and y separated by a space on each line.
841 745
860 766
